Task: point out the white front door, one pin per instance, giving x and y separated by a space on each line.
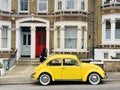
26 44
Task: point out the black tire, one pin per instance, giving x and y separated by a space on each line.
94 79
45 79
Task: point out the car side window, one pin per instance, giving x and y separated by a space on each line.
56 62
70 62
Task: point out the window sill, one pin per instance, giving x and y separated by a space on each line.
70 50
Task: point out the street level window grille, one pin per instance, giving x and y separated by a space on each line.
71 37
24 5
117 29
4 37
43 5
108 29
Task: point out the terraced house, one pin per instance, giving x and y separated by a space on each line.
86 28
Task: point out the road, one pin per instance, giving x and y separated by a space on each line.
105 85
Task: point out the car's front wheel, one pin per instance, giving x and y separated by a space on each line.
45 79
94 79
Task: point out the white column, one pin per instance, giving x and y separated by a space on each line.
55 39
103 31
112 30
18 43
79 38
48 40
62 37
33 35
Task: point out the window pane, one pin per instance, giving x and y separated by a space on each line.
117 29
118 0
43 5
105 55
107 1
69 62
108 29
4 37
29 39
71 37
24 39
59 4
83 4
71 4
24 5
56 62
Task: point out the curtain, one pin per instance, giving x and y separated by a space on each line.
71 37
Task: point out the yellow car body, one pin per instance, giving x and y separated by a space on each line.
67 67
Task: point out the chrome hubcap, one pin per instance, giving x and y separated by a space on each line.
94 78
45 79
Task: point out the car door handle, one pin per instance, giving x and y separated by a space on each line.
63 68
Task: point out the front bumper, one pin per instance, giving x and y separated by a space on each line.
106 76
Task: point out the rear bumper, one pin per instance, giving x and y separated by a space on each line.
32 76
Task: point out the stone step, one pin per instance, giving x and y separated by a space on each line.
28 61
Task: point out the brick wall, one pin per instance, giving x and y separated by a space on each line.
112 66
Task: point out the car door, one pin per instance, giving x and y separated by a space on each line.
71 70
55 67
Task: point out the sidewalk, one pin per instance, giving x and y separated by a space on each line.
21 75
18 75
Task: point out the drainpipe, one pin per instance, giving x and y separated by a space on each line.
93 29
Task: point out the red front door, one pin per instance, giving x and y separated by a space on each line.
40 41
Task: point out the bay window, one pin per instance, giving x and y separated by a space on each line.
71 37
74 5
42 5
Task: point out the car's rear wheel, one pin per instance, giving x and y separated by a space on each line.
94 79
45 79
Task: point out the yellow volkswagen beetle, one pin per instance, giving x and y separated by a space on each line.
67 67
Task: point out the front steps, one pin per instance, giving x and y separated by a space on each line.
28 61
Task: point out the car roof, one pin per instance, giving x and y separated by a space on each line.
62 56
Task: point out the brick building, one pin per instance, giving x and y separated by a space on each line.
86 28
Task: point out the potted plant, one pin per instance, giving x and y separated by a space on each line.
1 69
1 65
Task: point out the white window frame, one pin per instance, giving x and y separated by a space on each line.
6 24
8 5
43 11
112 40
63 8
62 25
19 7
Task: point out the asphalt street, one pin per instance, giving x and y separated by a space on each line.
105 85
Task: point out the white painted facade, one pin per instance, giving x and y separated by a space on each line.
99 54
